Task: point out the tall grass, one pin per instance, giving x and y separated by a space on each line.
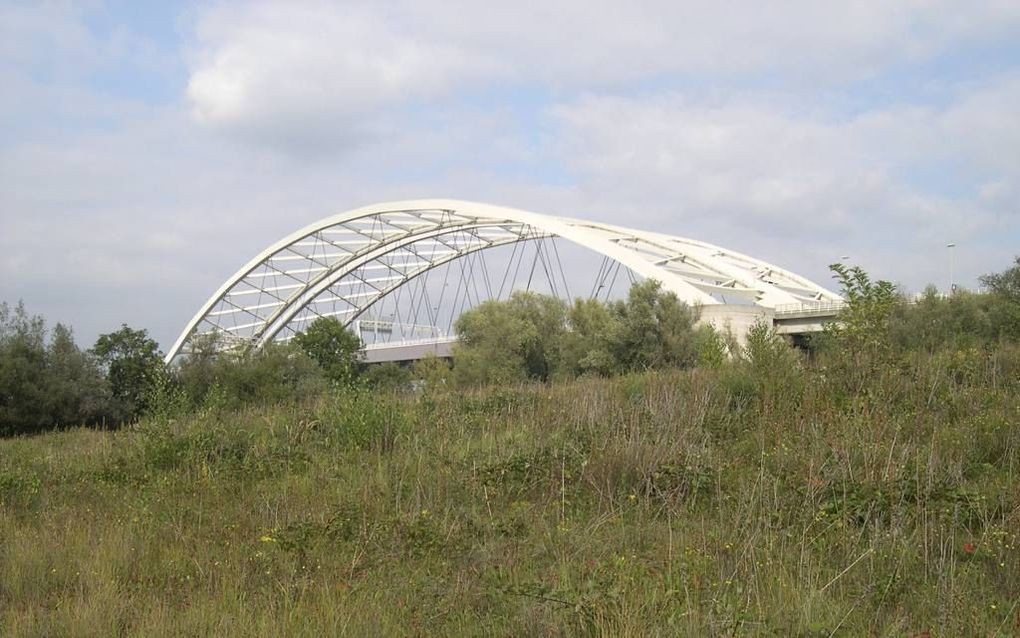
746 499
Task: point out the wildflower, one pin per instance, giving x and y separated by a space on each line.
632 497
968 548
267 539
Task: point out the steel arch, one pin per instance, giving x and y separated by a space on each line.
334 256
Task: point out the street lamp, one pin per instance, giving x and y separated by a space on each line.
950 246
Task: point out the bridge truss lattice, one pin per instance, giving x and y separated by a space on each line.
351 265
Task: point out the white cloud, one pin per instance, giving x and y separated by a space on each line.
311 74
304 73
139 217
750 173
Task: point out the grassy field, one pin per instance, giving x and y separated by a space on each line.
710 502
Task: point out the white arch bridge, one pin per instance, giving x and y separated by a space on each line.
400 273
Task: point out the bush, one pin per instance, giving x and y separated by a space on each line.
46 383
335 348
389 376
276 373
534 337
133 364
508 341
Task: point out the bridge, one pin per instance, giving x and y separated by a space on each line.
400 273
793 321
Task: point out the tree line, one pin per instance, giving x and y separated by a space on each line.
48 381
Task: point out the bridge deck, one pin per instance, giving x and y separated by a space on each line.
400 351
788 320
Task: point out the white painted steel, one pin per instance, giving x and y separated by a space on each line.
316 258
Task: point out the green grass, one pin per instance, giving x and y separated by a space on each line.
712 502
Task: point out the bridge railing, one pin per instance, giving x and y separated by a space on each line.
410 342
828 307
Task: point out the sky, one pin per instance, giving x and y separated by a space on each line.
149 149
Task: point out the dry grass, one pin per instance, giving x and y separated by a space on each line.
693 503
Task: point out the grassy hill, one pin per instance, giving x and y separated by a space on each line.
735 500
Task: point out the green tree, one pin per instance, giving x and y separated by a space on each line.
277 373
335 348
433 372
859 342
589 345
133 363
656 329
767 354
46 383
216 378
864 321
25 400
507 341
388 376
79 392
197 370
1006 283
713 347
1004 314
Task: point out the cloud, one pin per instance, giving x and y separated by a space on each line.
746 172
311 76
749 128
304 74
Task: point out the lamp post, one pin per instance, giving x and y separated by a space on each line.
950 246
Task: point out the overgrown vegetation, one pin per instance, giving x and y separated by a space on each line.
538 337
47 381
871 490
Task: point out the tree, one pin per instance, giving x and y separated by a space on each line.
533 336
859 343
197 372
132 362
589 343
79 392
25 400
713 347
276 373
507 341
1004 315
864 321
333 347
1006 283
656 329
431 372
388 376
46 383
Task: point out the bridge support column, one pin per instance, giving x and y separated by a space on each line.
736 320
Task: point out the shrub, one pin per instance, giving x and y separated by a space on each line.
133 364
387 376
46 383
335 348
